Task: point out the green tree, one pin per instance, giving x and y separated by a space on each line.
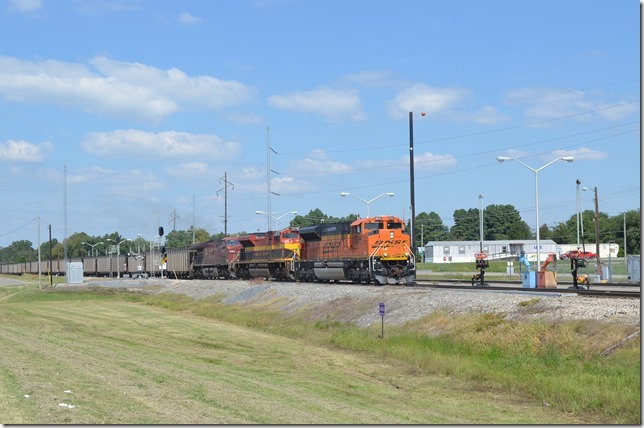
75 246
316 216
504 222
18 252
429 227
183 238
562 234
466 225
44 248
612 230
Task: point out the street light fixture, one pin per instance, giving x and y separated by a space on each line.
536 191
92 245
390 194
276 218
118 255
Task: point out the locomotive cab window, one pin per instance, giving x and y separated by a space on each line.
357 229
374 226
394 225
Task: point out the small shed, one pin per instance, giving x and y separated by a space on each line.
74 273
633 266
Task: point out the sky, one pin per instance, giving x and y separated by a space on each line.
122 116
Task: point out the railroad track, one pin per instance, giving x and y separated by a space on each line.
505 286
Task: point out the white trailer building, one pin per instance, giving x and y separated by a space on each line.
464 251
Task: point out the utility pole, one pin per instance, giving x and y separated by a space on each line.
225 189
269 149
193 219
411 181
65 209
39 277
599 262
174 220
268 175
625 262
51 279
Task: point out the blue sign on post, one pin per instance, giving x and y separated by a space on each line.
382 319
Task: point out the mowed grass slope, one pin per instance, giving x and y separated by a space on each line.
127 362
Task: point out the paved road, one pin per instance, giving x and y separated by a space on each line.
7 281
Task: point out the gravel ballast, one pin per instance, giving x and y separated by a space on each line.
359 304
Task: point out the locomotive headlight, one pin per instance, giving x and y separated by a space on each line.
391 235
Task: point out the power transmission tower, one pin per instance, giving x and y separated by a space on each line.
173 220
225 190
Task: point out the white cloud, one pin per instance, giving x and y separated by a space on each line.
336 105
432 162
97 7
547 103
424 98
23 151
623 109
188 169
488 115
186 18
582 153
25 6
116 88
318 161
127 143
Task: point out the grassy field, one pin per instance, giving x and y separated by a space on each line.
129 358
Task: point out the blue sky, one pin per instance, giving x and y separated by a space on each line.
148 104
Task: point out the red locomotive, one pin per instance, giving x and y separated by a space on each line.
214 259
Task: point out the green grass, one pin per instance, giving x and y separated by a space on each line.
150 359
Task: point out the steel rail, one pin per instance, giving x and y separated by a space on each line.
458 285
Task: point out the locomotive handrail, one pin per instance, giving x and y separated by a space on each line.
292 261
372 259
233 263
412 256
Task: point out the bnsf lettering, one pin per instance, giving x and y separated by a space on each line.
388 243
331 245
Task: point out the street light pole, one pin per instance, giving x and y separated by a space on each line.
275 218
92 246
118 255
578 182
390 194
536 192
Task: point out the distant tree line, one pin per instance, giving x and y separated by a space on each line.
500 222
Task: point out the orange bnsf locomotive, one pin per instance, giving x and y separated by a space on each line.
369 250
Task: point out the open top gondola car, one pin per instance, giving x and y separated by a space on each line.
373 249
